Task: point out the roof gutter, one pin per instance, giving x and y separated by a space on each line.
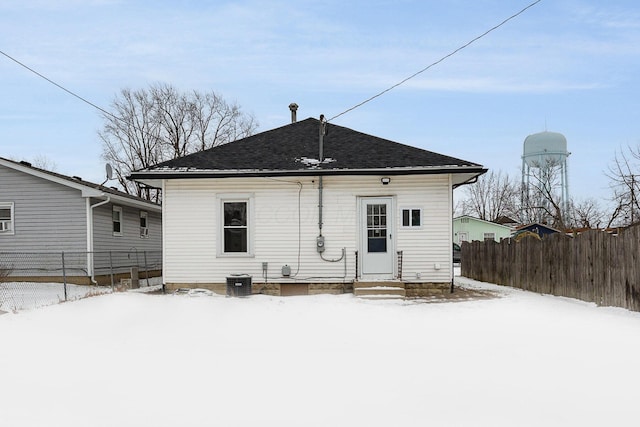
190 174
469 182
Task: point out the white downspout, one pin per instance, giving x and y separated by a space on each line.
163 223
451 233
90 208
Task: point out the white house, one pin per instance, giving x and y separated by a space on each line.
309 207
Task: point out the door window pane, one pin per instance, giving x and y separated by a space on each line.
377 241
377 228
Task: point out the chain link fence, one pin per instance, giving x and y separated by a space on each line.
30 280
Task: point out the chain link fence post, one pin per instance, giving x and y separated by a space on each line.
111 269
64 277
146 269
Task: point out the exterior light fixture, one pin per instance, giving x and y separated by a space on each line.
385 180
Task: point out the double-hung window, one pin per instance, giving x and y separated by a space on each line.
116 220
144 226
6 218
235 226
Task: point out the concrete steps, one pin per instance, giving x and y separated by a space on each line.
379 289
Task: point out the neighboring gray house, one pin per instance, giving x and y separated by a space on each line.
97 227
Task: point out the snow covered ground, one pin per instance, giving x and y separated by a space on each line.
26 295
16 296
131 359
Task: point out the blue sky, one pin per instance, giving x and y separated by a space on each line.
569 66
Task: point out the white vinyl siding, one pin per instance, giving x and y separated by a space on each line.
285 227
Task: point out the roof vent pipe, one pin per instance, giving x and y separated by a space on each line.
293 107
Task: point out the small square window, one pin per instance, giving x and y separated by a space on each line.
412 217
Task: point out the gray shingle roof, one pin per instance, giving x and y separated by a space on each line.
294 149
75 181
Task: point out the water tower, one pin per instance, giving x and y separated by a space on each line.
544 157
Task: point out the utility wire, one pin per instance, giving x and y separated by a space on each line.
57 85
86 101
438 61
332 118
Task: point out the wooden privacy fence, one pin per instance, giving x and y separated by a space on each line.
594 266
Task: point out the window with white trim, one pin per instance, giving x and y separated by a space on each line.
412 217
235 225
489 236
116 219
144 226
6 218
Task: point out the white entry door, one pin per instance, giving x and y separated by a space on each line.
376 237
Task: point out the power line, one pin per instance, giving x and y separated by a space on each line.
438 61
57 85
332 118
86 101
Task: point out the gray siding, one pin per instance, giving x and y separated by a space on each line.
130 240
52 217
47 216
126 250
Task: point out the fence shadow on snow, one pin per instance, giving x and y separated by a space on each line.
29 280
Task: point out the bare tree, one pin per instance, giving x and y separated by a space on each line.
43 162
149 126
494 195
541 200
588 213
217 122
132 137
624 180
